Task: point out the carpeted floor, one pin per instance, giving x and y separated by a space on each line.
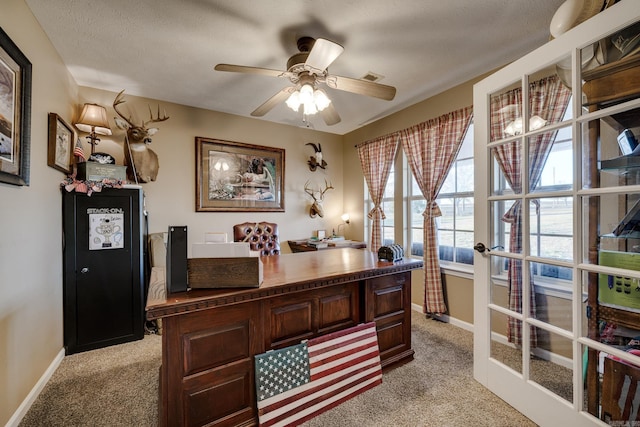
118 386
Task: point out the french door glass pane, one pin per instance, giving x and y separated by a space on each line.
505 157
500 283
557 165
501 209
551 227
610 140
555 310
554 369
615 228
501 350
505 111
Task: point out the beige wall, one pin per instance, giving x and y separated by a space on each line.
171 200
30 243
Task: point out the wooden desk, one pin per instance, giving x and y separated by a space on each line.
210 336
303 246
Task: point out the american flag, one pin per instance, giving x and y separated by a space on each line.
296 383
78 151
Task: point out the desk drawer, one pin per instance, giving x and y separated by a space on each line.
296 317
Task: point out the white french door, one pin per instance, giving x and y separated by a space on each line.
534 205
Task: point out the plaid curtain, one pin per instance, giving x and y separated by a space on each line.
431 147
548 98
376 159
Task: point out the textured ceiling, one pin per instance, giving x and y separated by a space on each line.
166 49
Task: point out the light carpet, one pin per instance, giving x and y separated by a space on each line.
118 386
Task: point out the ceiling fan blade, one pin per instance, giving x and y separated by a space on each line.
322 54
330 115
273 101
362 87
249 70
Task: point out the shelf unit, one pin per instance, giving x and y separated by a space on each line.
605 86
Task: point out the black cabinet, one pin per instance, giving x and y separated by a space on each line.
103 272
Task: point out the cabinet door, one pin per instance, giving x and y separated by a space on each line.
387 302
207 367
103 274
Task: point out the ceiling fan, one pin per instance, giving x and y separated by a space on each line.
307 69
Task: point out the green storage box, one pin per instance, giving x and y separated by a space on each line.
619 291
94 171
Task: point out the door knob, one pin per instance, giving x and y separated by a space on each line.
84 270
480 247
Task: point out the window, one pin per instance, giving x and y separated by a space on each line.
455 226
388 224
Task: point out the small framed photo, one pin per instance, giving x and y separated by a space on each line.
61 140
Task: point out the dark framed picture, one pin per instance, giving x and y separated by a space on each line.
15 113
233 176
60 147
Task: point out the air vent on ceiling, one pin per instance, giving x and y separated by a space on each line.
372 77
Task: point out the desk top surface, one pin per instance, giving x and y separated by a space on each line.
286 273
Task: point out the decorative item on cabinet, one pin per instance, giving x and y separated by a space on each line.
93 120
142 162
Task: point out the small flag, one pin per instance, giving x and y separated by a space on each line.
295 384
78 151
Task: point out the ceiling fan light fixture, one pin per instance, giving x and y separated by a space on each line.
293 101
310 108
306 93
311 100
321 99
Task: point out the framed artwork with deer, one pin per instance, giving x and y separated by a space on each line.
234 176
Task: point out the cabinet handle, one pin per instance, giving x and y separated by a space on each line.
84 270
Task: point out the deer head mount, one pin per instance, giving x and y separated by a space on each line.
142 162
316 161
316 208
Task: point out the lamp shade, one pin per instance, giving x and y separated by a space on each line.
94 119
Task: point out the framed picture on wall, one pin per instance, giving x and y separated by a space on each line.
15 113
60 147
233 176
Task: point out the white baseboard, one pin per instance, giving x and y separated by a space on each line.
447 319
35 391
